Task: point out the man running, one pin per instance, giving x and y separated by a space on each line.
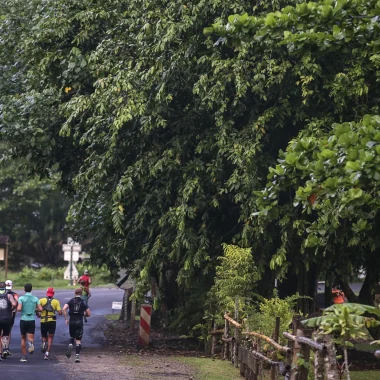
7 302
27 305
8 287
86 294
50 305
77 310
86 278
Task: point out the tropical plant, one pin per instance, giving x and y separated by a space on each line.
345 321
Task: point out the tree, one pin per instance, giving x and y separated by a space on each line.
160 154
32 213
303 42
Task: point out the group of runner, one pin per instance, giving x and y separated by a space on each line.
74 311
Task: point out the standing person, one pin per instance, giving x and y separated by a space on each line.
50 306
86 278
7 302
8 287
27 305
77 310
86 294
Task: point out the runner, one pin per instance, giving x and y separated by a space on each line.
49 305
27 305
86 278
7 302
77 310
8 286
86 294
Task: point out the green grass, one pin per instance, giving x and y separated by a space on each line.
365 375
112 317
46 277
210 369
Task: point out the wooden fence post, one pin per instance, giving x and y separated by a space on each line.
330 359
213 341
300 351
133 315
255 374
318 361
226 333
273 371
236 334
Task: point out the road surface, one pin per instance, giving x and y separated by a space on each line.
37 368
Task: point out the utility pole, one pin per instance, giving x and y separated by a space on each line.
71 264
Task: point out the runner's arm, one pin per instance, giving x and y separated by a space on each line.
59 310
88 292
39 307
12 300
19 306
87 313
89 280
64 312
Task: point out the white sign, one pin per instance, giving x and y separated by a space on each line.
117 305
75 272
67 256
67 247
2 251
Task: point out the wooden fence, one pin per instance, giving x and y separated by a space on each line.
250 352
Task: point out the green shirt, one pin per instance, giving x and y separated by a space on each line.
29 303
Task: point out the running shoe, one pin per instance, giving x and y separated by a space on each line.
77 358
5 354
31 347
23 359
69 349
46 357
43 347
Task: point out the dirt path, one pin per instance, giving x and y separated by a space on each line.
112 365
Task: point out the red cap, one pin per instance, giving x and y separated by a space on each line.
50 292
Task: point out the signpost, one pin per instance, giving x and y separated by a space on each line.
71 253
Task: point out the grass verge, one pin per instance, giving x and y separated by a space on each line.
210 369
365 375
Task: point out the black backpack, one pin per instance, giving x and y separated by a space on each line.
77 307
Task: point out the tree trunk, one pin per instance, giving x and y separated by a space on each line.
346 363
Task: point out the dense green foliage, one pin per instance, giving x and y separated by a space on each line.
163 135
32 213
323 193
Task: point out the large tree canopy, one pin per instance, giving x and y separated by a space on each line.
323 192
163 134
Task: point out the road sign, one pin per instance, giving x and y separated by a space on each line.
2 251
75 272
67 256
67 247
117 305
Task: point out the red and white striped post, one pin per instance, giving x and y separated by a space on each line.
144 331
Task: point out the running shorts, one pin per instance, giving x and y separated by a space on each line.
48 328
76 329
27 327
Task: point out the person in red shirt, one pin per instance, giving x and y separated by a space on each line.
86 278
338 295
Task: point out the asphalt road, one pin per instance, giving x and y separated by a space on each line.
37 368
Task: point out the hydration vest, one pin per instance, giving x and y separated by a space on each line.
77 307
5 307
48 307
